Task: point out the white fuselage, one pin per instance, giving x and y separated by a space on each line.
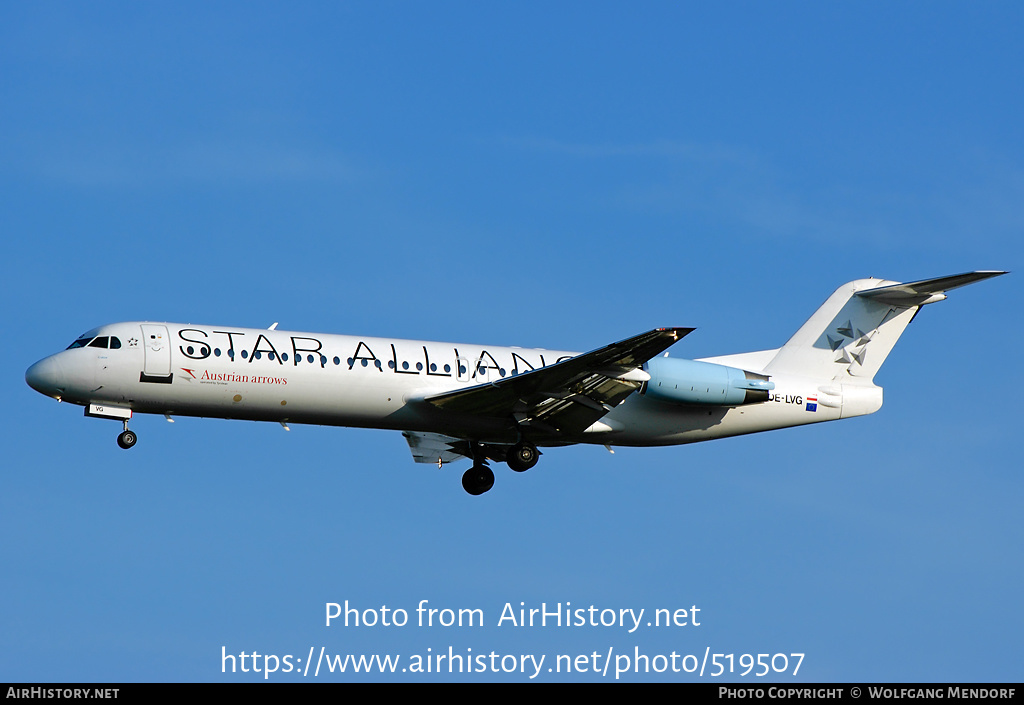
313 378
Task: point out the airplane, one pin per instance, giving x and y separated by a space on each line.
488 403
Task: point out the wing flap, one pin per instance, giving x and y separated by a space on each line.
434 447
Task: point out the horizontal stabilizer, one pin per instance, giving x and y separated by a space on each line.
925 291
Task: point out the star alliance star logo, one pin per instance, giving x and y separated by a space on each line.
853 350
132 342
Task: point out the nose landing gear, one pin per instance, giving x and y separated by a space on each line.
126 439
117 413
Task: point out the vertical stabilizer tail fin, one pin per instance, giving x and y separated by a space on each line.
851 334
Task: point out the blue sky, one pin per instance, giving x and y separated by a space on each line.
524 174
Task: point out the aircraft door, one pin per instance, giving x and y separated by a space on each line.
158 353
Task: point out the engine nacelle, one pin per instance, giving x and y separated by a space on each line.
690 382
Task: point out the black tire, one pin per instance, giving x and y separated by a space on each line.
477 480
522 456
127 439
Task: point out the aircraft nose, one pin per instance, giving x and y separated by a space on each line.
46 377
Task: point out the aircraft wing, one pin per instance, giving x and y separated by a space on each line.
435 447
569 396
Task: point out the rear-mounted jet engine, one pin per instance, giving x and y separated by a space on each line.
690 382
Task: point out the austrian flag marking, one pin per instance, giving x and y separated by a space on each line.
812 403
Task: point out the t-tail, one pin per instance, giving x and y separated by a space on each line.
850 335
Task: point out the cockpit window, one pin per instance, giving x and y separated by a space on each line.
104 341
80 343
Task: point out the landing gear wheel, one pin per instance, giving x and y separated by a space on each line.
127 439
478 479
522 456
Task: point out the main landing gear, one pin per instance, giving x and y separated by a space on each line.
522 456
127 438
480 478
